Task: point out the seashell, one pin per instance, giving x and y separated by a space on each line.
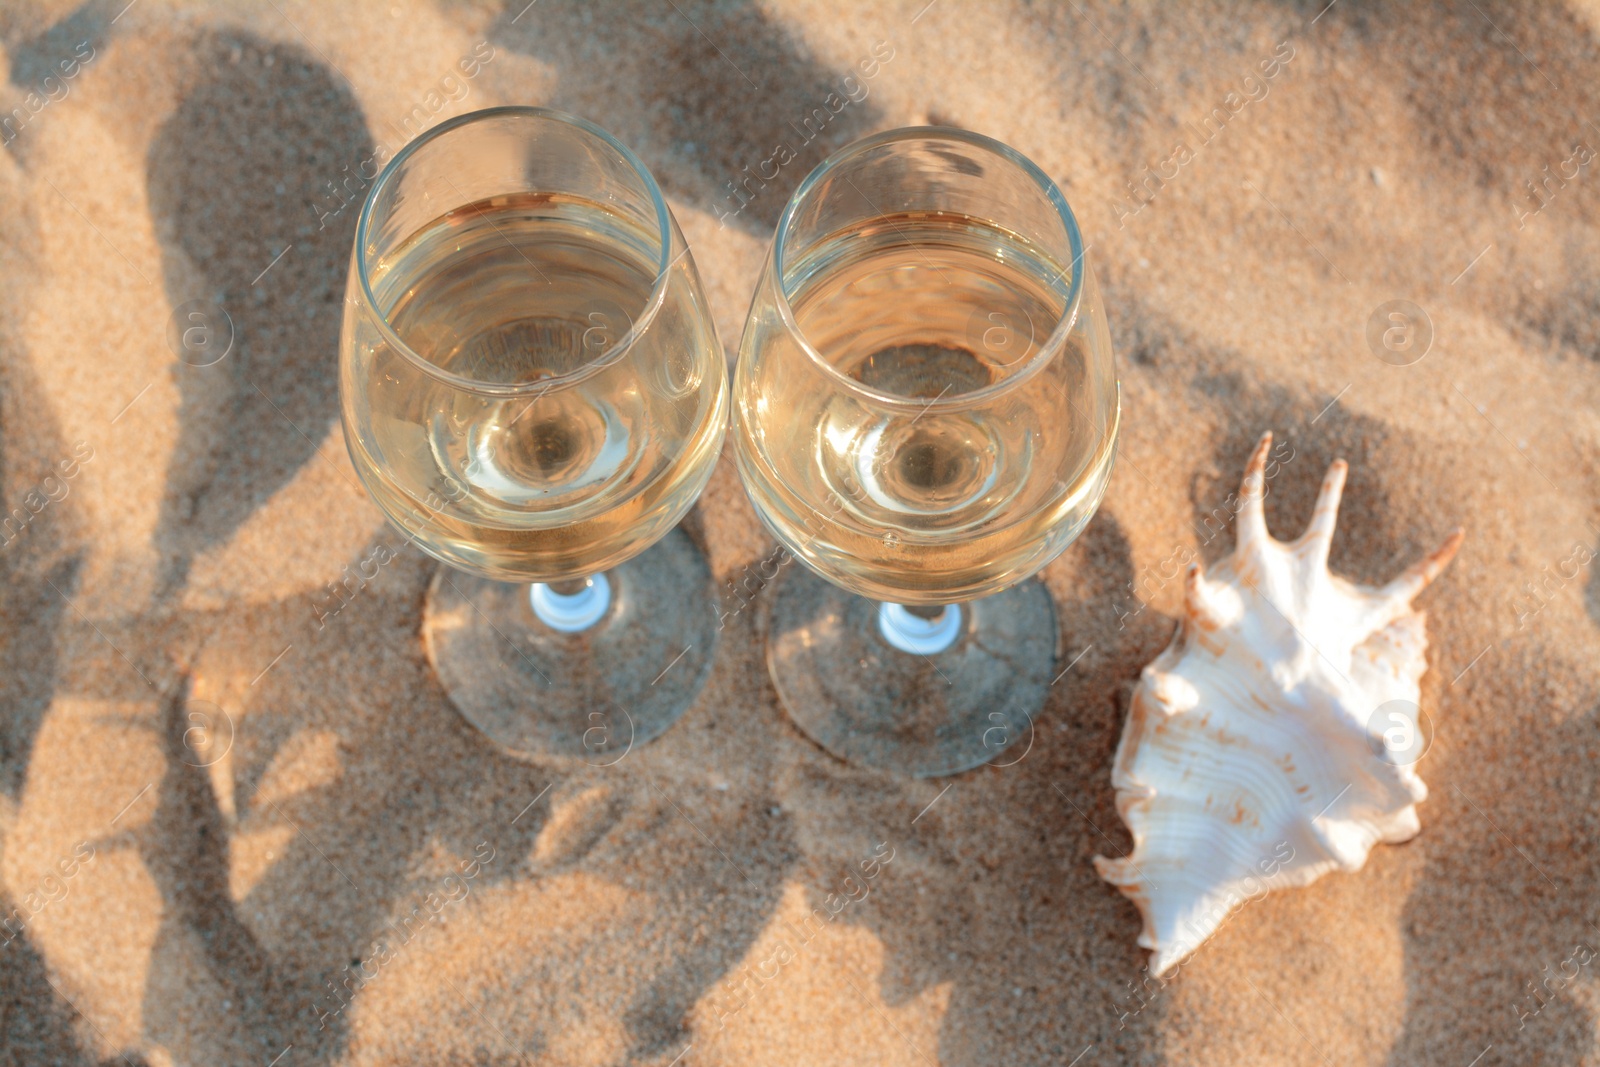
1273 740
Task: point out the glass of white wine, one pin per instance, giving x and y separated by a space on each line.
532 389
926 410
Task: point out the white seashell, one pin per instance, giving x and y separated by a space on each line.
1254 756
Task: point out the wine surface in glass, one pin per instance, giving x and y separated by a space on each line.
935 501
556 482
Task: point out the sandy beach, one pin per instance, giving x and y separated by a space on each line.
236 828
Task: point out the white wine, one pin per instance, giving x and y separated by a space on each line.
948 446
553 439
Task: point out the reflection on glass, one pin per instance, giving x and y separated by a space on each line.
532 388
926 413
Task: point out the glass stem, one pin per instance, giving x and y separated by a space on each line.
921 628
571 606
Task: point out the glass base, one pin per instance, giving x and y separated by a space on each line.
590 694
868 702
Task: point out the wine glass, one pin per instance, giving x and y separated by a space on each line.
926 411
532 389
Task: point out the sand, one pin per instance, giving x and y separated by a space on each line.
213 813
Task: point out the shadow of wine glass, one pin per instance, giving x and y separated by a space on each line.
254 267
